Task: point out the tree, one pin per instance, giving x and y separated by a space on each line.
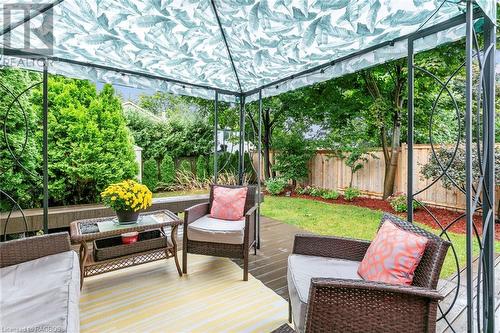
201 168
386 85
386 112
21 181
293 154
167 170
169 106
156 103
150 174
89 143
174 137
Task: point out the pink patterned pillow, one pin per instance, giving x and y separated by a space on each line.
228 203
393 256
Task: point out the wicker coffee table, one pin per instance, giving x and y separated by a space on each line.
108 254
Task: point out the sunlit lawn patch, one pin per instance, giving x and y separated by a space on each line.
347 221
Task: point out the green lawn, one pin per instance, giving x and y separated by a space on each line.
345 221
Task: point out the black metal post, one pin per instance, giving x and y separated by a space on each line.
259 168
411 81
241 150
489 178
468 161
216 129
45 146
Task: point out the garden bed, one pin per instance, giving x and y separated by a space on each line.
444 216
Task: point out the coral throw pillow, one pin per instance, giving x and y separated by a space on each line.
228 203
393 256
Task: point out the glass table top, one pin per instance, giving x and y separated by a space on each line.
112 224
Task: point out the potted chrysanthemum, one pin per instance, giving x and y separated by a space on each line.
127 199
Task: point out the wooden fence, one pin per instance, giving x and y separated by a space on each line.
331 172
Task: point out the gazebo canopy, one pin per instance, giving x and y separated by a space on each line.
237 47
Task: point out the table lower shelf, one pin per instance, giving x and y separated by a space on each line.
92 267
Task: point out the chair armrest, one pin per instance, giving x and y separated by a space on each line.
195 212
250 225
25 249
251 212
330 246
360 306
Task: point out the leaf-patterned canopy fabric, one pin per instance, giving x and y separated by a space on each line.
195 47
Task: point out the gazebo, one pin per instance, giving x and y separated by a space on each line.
244 51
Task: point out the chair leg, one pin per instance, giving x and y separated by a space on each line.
245 265
289 310
255 248
184 257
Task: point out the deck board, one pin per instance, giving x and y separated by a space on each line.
270 263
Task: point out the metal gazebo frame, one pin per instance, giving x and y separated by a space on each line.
479 197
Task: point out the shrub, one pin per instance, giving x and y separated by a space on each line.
150 174
331 195
293 155
303 190
90 145
201 168
185 167
399 203
351 193
167 170
185 180
275 186
229 178
317 191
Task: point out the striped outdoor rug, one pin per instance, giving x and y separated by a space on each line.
153 298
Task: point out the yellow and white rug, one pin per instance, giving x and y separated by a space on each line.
153 298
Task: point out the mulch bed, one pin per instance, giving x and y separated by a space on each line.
444 216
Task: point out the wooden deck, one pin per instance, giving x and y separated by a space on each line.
270 264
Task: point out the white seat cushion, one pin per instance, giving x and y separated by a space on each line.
41 294
208 229
302 268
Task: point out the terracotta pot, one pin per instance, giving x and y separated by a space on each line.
127 216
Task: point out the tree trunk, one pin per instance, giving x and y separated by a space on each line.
267 143
392 164
267 161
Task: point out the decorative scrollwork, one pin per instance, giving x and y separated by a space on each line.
480 195
16 155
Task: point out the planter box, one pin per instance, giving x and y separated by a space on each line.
109 248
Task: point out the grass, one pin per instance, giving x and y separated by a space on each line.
348 221
178 193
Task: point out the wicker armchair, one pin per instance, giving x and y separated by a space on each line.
26 249
39 284
354 305
217 247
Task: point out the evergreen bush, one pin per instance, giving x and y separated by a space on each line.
201 168
150 174
167 170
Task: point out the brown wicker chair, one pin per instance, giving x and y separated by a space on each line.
220 249
355 305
